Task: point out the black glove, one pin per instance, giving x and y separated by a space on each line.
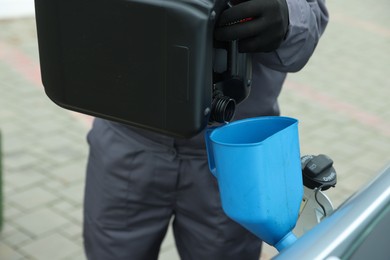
258 25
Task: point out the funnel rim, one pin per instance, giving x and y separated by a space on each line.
263 118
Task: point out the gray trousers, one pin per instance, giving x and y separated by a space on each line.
135 186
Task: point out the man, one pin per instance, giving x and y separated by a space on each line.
137 180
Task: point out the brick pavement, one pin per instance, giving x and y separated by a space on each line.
341 99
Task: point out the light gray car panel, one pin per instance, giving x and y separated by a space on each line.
358 229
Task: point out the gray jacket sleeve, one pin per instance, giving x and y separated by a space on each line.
308 19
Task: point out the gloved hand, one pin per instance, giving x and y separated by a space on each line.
258 25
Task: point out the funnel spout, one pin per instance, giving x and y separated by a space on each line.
286 241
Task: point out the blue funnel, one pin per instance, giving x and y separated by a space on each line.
257 164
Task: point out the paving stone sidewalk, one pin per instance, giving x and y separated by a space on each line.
341 99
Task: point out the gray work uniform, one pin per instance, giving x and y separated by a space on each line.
138 181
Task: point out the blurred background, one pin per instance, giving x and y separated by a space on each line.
341 99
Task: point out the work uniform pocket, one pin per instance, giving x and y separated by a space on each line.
109 178
126 178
